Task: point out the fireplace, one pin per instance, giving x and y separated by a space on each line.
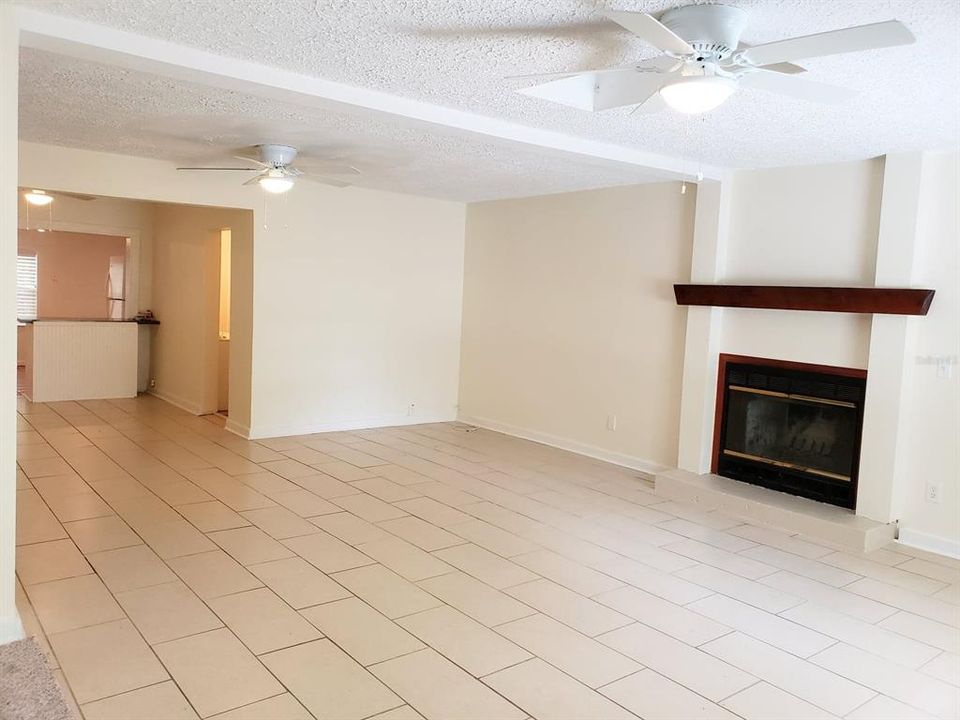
790 426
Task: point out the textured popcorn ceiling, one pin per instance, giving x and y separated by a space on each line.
458 54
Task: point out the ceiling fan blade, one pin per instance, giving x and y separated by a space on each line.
796 86
661 63
327 181
255 161
591 91
785 68
330 168
220 168
854 39
255 179
646 27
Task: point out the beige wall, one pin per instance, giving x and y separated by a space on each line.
186 280
71 271
569 318
933 398
813 225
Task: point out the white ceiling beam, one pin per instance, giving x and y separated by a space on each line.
97 43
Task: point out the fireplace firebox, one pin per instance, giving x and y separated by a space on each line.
789 426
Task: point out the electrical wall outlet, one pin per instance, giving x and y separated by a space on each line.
153 382
611 422
410 408
933 492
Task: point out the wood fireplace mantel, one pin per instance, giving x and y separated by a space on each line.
888 301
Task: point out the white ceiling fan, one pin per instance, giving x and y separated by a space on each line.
275 171
703 62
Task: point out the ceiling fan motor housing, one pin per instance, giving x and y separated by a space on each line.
712 30
277 155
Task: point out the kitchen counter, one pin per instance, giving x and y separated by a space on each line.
79 359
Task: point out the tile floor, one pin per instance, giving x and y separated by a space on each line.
173 570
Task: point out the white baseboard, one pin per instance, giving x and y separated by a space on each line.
932 543
11 629
341 424
575 446
191 407
237 429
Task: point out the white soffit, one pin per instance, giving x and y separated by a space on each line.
444 63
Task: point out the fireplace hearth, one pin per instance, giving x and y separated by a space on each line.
789 426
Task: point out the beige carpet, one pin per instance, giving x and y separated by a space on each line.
28 690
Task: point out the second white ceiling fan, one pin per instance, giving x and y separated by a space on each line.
704 62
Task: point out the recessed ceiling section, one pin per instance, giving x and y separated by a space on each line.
75 103
460 55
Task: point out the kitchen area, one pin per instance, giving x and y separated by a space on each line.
77 337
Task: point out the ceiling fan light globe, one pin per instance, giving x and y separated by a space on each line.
695 95
38 197
276 185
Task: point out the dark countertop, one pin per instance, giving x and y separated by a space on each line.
139 321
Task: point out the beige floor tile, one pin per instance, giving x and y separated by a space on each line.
349 528
46 561
884 708
305 503
45 467
327 552
476 599
167 612
877 571
444 493
939 635
326 487
228 490
583 658
106 533
216 672
839 600
329 683
421 533
581 613
182 492
765 702
651 696
250 545
280 523
548 694
404 712
267 483
77 506
686 625
401 475
434 512
213 574
696 670
931 607
212 516
130 568
35 522
289 469
945 666
405 559
366 635
386 490
369 508
104 660
474 647
162 701
494 539
73 603
344 471
893 644
567 573
485 566
438 689
386 591
748 591
812 569
67 693
281 707
907 686
175 539
781 540
657 582
263 621
298 582
798 677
